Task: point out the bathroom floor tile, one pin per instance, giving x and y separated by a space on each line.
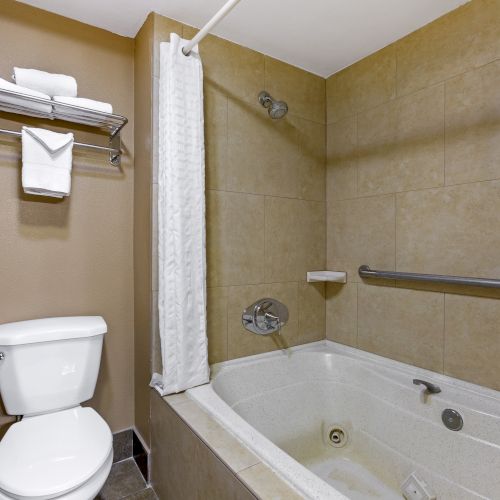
124 481
147 494
122 445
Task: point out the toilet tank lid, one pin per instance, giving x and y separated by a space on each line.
51 329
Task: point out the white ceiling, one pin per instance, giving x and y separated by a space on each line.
321 36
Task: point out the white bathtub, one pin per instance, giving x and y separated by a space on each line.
282 405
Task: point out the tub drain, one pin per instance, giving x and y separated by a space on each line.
337 437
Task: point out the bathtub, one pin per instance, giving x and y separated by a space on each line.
336 422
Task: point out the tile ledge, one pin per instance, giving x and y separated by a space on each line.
174 400
279 486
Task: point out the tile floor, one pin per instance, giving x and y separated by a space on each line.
126 482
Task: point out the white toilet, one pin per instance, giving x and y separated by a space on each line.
59 449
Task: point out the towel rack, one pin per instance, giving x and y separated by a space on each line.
365 272
15 102
114 153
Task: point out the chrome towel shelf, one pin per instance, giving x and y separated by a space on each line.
366 272
15 102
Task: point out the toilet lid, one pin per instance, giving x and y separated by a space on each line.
54 453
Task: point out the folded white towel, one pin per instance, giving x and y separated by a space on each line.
48 83
47 159
82 102
27 105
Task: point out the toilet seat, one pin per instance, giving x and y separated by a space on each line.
49 455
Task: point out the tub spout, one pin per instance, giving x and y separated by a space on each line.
430 388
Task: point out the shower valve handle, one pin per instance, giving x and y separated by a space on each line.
264 317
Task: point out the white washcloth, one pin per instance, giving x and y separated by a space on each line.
48 83
82 102
47 158
35 106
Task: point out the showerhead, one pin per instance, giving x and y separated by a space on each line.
276 109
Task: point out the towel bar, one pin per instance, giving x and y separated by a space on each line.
114 153
365 272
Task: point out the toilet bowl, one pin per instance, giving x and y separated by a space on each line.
59 450
66 454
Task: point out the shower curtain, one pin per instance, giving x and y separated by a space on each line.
181 221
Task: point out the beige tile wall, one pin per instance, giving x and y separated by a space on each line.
184 466
265 195
180 422
413 184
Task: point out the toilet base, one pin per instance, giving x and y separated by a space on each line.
86 491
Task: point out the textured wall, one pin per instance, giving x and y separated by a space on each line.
143 99
74 256
413 184
265 194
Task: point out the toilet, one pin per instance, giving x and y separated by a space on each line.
59 449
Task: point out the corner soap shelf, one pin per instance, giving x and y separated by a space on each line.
22 104
333 276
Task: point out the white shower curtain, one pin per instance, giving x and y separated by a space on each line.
181 221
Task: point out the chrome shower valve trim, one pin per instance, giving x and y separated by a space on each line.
264 317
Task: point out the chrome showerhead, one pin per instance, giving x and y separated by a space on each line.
276 109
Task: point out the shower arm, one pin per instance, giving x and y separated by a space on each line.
265 99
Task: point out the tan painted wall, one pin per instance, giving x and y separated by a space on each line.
74 256
265 194
413 184
143 80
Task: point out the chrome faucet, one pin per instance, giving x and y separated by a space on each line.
429 387
265 316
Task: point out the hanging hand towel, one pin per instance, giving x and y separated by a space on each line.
47 158
48 83
82 102
19 101
181 221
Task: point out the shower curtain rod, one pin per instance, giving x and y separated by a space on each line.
219 16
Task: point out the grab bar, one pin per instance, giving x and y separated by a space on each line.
365 272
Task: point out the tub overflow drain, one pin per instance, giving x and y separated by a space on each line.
337 437
452 419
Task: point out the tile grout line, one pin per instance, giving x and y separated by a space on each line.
226 162
400 96
309 200
396 75
444 331
260 283
260 462
395 232
495 179
357 315
356 159
226 301
445 86
226 145
325 196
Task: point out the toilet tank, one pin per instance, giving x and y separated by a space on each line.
49 364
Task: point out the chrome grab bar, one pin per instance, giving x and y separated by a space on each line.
365 272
